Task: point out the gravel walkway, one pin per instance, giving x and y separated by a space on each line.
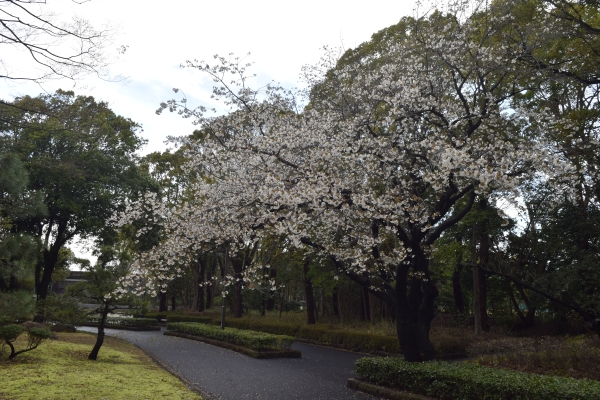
321 373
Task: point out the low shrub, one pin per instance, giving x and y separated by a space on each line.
445 342
469 381
10 333
190 318
276 328
123 321
250 339
449 344
158 315
155 315
357 341
63 328
577 357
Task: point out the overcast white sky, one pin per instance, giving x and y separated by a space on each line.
282 36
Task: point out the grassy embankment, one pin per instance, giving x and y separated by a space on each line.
59 369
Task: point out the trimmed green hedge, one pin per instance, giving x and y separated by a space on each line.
467 381
251 339
155 315
190 318
122 321
362 342
276 328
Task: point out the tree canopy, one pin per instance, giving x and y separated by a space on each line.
399 138
82 157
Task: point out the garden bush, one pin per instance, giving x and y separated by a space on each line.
324 334
357 341
158 315
190 318
250 339
468 381
10 333
125 322
276 328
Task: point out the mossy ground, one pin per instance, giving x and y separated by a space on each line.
59 369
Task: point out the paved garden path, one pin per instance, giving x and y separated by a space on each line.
321 373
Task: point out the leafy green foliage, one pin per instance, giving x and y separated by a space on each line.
16 306
251 339
63 309
81 155
187 318
463 381
18 251
11 332
35 336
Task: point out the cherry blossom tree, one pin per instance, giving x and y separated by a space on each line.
371 173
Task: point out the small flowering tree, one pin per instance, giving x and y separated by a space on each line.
372 172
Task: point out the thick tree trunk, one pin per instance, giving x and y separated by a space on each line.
50 257
390 311
13 284
361 306
162 302
324 310
459 303
173 302
309 295
270 303
210 289
480 317
476 302
100 337
415 308
281 301
209 297
335 301
527 319
373 305
238 305
43 286
484 259
366 303
200 305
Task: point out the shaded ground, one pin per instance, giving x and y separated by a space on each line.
321 373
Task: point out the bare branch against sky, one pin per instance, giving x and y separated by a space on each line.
36 44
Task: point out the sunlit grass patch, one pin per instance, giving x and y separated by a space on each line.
59 369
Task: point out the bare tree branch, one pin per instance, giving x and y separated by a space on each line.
55 48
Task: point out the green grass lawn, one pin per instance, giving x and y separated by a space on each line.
59 369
